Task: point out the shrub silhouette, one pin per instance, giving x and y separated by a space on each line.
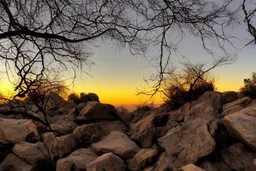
187 85
83 97
74 97
249 88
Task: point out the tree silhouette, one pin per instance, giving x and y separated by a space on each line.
39 94
249 9
36 35
249 88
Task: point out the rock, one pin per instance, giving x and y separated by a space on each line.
82 136
187 143
86 134
108 126
203 111
139 113
237 157
215 166
107 162
63 145
228 96
211 98
72 114
17 130
124 115
96 111
231 110
4 108
242 125
142 159
13 163
143 131
162 130
64 128
191 167
178 115
117 143
80 106
77 160
55 96
31 153
243 102
48 139
162 162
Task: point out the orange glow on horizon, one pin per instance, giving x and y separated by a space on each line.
121 96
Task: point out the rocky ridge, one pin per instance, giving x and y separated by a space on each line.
217 132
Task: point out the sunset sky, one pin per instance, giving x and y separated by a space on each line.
116 73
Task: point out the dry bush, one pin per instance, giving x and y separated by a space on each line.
187 85
74 97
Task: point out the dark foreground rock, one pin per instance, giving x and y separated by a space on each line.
217 132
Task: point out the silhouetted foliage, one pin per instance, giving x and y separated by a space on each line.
249 88
187 85
74 97
83 97
37 35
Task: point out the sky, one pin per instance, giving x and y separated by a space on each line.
117 74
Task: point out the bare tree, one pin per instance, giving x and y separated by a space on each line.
36 33
39 94
249 9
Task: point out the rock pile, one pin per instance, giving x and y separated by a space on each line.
217 132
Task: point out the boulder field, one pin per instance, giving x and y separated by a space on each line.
216 132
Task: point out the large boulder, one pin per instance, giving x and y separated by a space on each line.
80 106
64 127
96 111
139 113
178 115
13 163
62 146
82 136
236 106
31 153
107 162
17 130
187 143
86 134
203 111
77 160
242 125
211 98
48 138
145 157
143 131
117 143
